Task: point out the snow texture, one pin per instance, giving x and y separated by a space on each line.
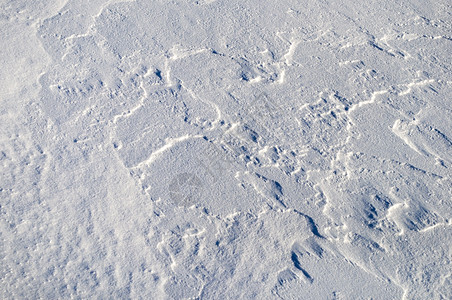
219 149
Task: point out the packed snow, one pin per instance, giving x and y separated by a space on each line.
224 149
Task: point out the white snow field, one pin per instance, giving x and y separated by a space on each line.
225 149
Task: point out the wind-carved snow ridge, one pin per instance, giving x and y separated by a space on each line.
225 150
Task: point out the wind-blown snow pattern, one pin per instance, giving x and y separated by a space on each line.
219 149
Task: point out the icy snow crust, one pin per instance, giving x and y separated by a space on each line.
225 149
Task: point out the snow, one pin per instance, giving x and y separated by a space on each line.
218 149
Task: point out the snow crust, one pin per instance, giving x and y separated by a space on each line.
219 149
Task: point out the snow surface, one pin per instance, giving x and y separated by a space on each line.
224 149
